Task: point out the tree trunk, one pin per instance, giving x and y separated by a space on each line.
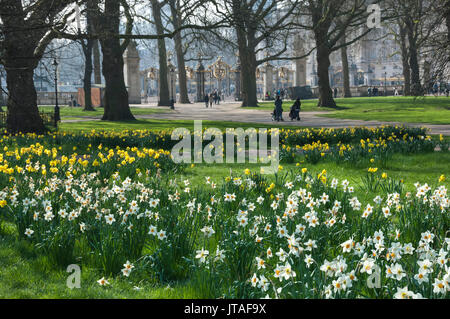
87 48
23 112
117 107
323 65
345 70
182 77
1 92
405 61
25 35
19 63
96 60
164 95
248 81
407 76
416 87
447 19
247 56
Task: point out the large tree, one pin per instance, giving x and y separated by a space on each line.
345 69
164 95
437 42
259 26
107 25
1 89
96 62
416 23
27 29
177 20
405 58
87 46
330 21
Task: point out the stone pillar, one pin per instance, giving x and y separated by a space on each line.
145 87
299 65
172 79
200 73
228 82
131 72
157 85
268 80
237 75
277 79
428 85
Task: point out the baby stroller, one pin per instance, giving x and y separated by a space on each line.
294 114
277 114
273 116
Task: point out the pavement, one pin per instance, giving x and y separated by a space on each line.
232 112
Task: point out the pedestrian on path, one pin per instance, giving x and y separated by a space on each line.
295 110
206 100
278 112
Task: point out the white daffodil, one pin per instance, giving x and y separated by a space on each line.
103 282
202 254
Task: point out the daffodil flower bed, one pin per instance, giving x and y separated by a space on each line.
112 201
350 145
302 236
162 139
380 150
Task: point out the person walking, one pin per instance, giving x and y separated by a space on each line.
335 93
206 100
295 110
278 112
435 89
211 100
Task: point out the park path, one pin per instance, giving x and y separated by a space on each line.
232 112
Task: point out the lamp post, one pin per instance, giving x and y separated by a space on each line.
171 88
57 118
172 83
385 84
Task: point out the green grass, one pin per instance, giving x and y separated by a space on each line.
158 125
423 168
431 110
26 274
77 112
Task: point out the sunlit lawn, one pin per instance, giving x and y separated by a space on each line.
431 110
78 112
158 125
